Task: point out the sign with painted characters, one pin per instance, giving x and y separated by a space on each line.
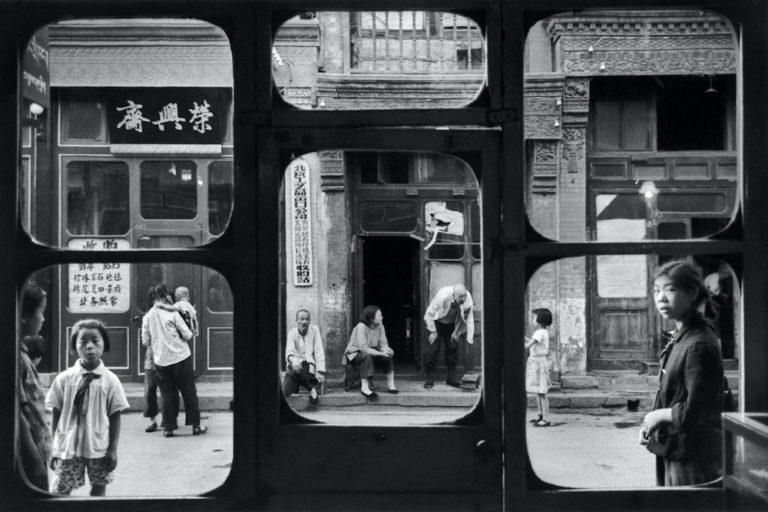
169 115
35 74
99 287
301 223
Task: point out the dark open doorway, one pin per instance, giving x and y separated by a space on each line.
391 281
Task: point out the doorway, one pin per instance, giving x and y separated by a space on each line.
391 281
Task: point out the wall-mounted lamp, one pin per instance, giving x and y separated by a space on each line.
36 109
602 66
557 123
558 101
648 190
590 49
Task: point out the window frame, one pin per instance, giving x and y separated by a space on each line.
514 249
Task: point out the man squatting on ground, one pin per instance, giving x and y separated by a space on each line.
449 320
304 357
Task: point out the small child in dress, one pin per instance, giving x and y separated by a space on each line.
183 306
86 400
537 379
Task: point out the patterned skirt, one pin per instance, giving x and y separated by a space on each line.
537 375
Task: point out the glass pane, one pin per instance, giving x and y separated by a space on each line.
441 169
379 59
614 104
97 198
169 190
220 193
136 144
109 300
219 294
354 246
85 121
595 366
390 216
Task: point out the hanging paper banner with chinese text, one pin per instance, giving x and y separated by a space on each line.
301 223
168 115
99 287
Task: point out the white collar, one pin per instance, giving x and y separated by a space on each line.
99 370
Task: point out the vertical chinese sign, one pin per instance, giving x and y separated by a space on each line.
99 287
301 223
36 70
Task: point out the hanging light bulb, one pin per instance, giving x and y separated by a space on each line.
602 66
557 123
711 88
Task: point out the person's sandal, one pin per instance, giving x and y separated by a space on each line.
198 430
151 428
393 391
371 396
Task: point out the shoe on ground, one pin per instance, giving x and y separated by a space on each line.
429 384
453 383
167 433
197 430
370 396
393 391
315 400
151 428
536 420
542 423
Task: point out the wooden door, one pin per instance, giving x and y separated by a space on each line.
620 328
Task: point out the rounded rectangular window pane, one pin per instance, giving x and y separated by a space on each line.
379 59
220 194
71 312
97 198
594 361
355 246
85 121
168 190
624 103
388 216
144 144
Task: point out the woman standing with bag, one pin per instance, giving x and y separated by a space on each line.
163 329
684 429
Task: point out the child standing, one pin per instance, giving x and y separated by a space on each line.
86 400
34 433
537 368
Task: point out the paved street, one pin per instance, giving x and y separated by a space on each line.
151 465
589 449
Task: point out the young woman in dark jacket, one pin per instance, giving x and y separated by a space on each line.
684 430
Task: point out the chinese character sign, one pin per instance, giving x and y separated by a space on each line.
301 223
99 287
36 76
168 115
